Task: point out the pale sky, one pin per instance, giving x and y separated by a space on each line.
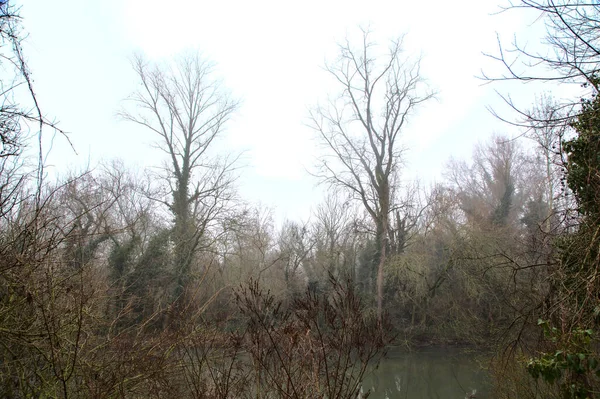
269 54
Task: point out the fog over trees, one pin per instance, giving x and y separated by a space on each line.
167 283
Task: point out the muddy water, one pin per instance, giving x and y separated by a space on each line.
430 374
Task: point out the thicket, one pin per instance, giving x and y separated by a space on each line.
560 357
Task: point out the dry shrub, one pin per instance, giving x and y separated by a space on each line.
319 345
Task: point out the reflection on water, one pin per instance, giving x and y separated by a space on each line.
430 374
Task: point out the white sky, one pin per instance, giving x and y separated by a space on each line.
270 54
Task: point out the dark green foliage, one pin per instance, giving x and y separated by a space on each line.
154 260
367 267
140 276
122 256
503 208
81 248
569 356
570 363
534 214
584 158
578 253
149 281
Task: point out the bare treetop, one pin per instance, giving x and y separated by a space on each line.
184 105
360 128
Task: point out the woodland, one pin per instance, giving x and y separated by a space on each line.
119 284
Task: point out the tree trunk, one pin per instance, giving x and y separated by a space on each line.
382 241
183 235
382 259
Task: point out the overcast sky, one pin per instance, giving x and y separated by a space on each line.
270 54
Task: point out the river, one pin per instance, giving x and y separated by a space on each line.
438 373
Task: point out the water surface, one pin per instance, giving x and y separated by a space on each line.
444 373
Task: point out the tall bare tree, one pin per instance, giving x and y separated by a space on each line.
361 128
186 108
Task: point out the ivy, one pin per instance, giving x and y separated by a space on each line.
572 365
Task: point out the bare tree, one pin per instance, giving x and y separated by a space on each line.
332 223
571 32
247 248
360 129
186 108
550 138
295 245
571 55
340 237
